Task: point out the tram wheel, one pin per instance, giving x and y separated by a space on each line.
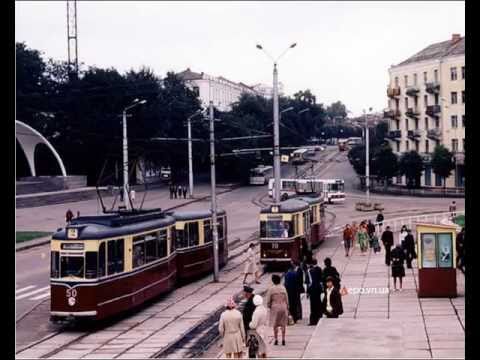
284 197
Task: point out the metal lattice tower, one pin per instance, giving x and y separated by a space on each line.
72 37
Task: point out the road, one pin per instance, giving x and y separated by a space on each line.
32 266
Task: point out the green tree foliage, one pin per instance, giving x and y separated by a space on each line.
384 163
337 110
411 165
442 162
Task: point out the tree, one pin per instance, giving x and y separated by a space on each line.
356 156
442 163
384 163
411 165
337 110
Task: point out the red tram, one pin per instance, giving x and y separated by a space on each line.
104 265
318 230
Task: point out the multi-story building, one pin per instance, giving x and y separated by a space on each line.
267 90
221 91
426 106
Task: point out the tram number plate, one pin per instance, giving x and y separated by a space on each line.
71 293
274 245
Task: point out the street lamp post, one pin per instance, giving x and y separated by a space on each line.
367 158
136 102
276 129
214 195
190 158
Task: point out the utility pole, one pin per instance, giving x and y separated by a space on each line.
214 195
276 135
125 160
190 164
367 159
72 39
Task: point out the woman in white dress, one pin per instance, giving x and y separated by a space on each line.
230 327
401 236
258 325
251 264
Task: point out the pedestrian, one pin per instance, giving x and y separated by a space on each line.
78 214
332 300
402 234
379 221
314 292
460 246
362 238
398 270
370 232
68 216
184 191
409 248
330 271
347 238
452 209
277 301
249 307
387 240
258 326
230 327
170 188
291 285
251 264
175 190
354 232
179 191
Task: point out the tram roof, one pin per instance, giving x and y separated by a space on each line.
287 206
310 200
194 214
114 225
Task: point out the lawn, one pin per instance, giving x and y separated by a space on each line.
22 236
460 220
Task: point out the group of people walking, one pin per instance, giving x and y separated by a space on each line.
280 307
177 191
364 235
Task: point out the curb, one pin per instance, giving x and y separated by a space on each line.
33 243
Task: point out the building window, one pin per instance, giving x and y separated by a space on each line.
406 124
406 103
414 79
463 120
463 72
453 73
453 97
427 147
398 146
416 124
438 180
463 97
455 145
425 77
428 175
435 75
398 124
406 80
407 145
426 123
396 81
437 122
196 90
436 99
454 120
463 144
397 104
417 146
425 100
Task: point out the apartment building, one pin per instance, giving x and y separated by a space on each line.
426 106
221 91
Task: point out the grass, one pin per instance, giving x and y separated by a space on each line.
460 220
22 236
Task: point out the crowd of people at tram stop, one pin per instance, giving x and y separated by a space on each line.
177 191
247 332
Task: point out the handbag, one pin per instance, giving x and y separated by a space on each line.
290 320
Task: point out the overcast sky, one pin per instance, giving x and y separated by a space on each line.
344 48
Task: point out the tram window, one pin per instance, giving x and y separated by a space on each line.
151 247
181 238
138 251
162 243
322 211
91 259
312 214
193 238
173 241
276 229
120 254
207 231
295 224
101 260
305 222
71 266
54 264
220 227
111 257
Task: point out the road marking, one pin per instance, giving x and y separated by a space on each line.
32 293
18 291
42 296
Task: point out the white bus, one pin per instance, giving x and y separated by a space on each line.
298 156
261 175
331 190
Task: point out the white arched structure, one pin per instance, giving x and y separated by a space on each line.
28 139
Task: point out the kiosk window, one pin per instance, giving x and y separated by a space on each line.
101 260
54 257
91 260
207 231
445 253
429 252
162 243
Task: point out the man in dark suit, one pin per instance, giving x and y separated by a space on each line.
291 285
249 307
314 292
332 301
387 240
330 271
409 248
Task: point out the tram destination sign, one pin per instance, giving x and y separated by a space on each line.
72 246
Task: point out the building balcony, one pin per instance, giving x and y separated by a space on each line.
412 112
393 91
459 158
414 134
394 134
434 134
412 91
391 114
432 87
433 110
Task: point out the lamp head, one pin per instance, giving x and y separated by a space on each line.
259 47
143 102
136 100
293 45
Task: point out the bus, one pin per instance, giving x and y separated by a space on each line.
330 190
342 144
261 175
298 156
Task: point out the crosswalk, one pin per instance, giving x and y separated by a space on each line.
32 293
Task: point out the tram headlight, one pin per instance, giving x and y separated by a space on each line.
264 255
285 254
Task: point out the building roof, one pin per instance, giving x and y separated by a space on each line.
454 46
190 75
287 206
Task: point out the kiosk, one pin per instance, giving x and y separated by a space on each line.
437 273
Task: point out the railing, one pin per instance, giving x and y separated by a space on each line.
393 91
391 114
412 91
433 110
412 112
394 134
413 134
432 87
434 134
